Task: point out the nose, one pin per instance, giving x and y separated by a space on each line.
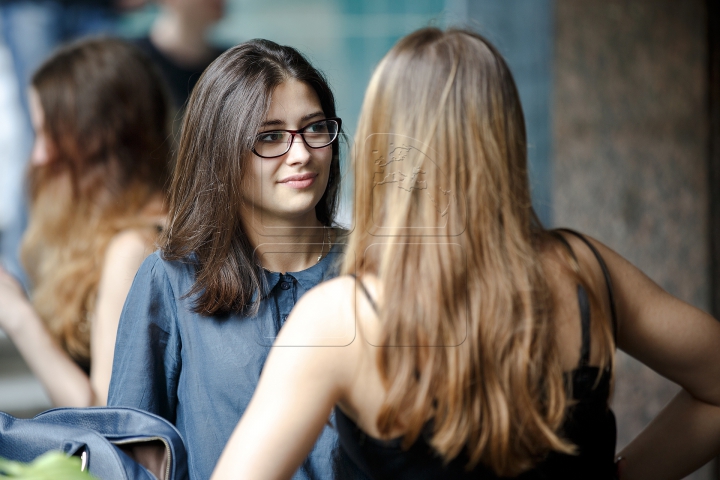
299 153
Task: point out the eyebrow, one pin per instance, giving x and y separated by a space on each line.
303 119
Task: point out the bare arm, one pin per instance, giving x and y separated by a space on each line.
65 382
684 436
682 343
297 390
124 256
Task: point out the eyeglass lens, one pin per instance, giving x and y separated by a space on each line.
316 135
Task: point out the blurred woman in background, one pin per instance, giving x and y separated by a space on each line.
471 342
178 43
98 174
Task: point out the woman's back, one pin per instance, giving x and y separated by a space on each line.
589 423
480 310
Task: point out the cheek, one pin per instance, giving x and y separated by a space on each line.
256 170
324 157
260 178
266 171
251 175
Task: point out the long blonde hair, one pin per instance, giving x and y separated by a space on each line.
106 116
444 219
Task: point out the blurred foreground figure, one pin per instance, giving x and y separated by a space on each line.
99 167
464 340
32 29
178 42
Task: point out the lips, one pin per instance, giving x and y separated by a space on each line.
301 180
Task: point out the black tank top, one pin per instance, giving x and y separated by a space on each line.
590 425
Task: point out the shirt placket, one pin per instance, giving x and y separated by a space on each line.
288 296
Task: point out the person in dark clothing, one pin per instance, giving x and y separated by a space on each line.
178 42
462 339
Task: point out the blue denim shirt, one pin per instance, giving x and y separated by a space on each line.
200 372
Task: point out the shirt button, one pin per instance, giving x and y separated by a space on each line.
285 285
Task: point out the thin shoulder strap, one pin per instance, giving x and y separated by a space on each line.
606 274
365 291
584 307
584 304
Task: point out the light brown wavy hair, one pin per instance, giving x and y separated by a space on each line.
106 120
444 219
223 116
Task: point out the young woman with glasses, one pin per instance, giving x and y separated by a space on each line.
469 342
250 230
98 173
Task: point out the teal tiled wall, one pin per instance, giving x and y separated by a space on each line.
347 38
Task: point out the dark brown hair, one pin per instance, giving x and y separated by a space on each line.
223 116
106 120
477 287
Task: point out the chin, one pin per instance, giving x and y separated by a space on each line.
286 213
299 212
299 202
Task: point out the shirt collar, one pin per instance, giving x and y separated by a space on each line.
326 268
268 280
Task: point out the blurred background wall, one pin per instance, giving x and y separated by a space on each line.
622 128
631 155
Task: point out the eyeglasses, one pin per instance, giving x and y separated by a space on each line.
277 143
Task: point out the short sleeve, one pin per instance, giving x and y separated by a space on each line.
146 363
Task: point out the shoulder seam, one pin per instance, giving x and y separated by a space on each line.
159 260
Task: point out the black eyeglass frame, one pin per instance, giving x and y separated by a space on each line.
300 132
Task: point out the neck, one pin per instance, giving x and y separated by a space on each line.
182 39
289 245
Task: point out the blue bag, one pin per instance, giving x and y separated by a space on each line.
113 443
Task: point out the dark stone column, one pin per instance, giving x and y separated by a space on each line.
714 154
630 143
713 10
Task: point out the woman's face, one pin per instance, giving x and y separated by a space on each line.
283 191
40 153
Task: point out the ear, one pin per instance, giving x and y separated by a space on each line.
40 153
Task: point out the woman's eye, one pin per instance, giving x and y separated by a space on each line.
270 137
319 127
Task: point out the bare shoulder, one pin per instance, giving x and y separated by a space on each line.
323 320
606 264
569 261
587 262
634 294
329 298
598 264
130 245
324 316
126 252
